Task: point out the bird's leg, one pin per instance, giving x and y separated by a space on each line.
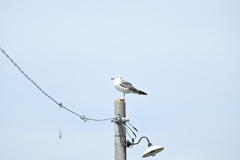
123 95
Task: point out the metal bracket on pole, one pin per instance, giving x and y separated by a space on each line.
118 119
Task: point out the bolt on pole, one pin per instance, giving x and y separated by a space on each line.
119 131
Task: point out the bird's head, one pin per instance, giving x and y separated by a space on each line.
116 77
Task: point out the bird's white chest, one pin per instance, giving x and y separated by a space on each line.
119 87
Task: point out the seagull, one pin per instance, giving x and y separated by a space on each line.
125 87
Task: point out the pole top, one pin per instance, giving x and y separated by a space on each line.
119 100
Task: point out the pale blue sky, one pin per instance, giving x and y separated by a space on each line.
184 54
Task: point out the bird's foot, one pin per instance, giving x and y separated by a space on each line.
122 99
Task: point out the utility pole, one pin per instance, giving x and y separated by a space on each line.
119 131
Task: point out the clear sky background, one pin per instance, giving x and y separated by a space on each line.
184 54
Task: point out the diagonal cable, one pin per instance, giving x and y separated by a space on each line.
47 95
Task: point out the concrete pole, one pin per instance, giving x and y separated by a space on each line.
119 131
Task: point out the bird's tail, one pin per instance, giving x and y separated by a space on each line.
141 92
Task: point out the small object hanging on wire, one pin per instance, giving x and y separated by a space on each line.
60 121
60 134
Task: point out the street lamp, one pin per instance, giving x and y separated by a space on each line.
151 151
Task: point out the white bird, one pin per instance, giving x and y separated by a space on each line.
125 87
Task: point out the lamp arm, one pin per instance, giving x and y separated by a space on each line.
130 144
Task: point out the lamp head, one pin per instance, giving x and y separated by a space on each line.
152 151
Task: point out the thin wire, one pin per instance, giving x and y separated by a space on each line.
127 127
129 134
27 76
85 119
99 119
133 126
123 127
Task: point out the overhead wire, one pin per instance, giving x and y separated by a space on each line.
123 124
82 117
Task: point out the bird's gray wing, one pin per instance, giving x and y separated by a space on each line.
128 85
125 84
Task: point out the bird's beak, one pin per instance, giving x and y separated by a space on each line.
112 78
